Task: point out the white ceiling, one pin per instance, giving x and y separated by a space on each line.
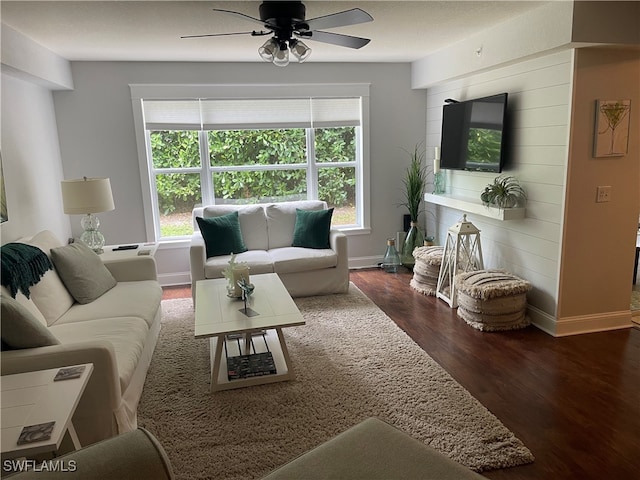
150 30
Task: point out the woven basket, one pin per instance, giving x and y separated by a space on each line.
426 269
492 300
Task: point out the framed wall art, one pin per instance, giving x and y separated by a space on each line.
611 137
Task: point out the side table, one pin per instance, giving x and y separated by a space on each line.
142 249
33 398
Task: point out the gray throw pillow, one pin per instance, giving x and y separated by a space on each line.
21 329
82 272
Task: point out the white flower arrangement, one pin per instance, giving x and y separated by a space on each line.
228 272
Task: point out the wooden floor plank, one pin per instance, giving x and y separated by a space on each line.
573 401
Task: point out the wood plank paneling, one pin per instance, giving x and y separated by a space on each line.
539 111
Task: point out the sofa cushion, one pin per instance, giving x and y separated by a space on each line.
222 235
259 262
253 222
82 272
20 328
127 335
127 299
281 220
50 295
296 259
312 228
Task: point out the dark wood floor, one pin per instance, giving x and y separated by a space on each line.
573 401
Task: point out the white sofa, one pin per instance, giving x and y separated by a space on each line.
267 231
117 332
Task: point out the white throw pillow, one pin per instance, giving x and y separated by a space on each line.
49 294
253 223
281 220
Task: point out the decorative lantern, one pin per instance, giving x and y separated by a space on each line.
462 253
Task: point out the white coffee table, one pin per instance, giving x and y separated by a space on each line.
218 316
33 398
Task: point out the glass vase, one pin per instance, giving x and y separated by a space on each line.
391 260
415 238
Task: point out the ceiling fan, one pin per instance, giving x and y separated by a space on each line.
286 21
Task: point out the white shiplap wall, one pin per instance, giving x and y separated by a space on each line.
539 110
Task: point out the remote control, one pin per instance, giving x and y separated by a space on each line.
125 247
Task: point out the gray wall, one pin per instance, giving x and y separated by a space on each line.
31 161
97 138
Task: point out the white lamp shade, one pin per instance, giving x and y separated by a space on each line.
87 195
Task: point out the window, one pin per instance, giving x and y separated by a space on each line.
258 150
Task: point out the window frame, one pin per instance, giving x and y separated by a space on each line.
140 92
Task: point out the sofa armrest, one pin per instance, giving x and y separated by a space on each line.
133 269
338 243
103 390
134 455
197 259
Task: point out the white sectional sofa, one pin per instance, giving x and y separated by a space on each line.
268 232
117 332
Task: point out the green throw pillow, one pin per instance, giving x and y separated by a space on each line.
222 235
82 272
21 329
312 228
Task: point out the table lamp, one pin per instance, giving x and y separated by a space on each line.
86 196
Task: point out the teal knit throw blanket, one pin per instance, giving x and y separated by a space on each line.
22 266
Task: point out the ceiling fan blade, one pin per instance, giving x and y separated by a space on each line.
336 39
254 33
340 19
241 15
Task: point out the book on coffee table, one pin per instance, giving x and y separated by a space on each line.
253 365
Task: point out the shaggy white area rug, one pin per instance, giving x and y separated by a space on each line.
352 362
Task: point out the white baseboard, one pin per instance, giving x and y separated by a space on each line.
599 322
172 279
542 320
364 262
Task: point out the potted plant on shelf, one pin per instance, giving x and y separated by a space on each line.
504 192
415 180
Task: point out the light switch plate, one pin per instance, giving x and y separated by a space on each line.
603 194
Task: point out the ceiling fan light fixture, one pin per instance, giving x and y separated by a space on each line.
281 57
283 19
268 50
299 50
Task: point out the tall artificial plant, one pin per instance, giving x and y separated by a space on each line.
415 181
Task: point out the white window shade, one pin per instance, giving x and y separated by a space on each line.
238 114
172 114
335 112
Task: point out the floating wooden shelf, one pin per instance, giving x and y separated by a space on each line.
469 205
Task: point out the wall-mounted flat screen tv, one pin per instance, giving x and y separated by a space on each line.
473 134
